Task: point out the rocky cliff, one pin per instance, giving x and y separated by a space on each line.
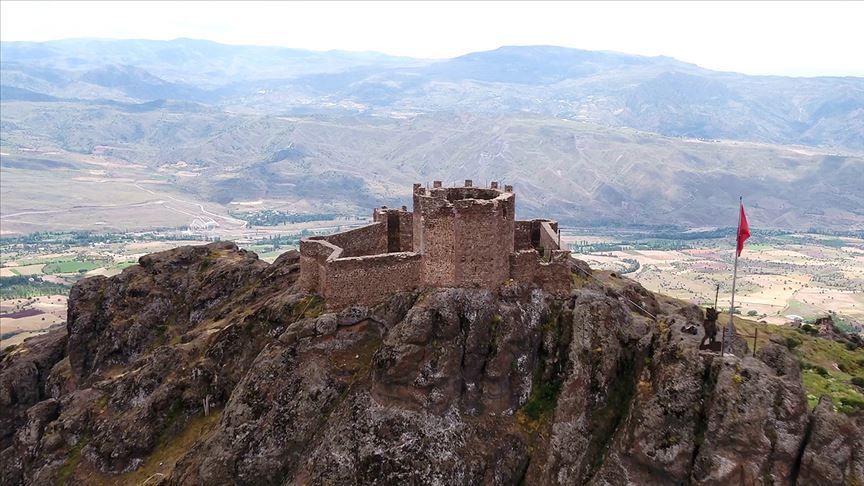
204 365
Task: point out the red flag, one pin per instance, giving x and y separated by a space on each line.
743 230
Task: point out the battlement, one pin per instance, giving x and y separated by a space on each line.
454 237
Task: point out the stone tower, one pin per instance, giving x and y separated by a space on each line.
464 234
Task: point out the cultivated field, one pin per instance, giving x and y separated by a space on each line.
778 277
23 318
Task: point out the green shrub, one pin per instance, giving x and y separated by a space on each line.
821 371
809 329
858 381
752 313
851 404
793 342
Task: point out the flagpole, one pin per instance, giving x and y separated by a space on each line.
734 278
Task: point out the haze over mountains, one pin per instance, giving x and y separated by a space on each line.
588 137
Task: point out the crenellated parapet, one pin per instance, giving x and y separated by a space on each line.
455 237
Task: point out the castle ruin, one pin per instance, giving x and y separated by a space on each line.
455 237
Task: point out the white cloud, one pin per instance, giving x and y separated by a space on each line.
793 38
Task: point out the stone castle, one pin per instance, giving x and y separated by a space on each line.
455 237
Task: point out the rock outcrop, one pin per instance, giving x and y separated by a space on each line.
24 375
204 365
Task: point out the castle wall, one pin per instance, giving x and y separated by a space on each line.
419 220
527 266
313 259
392 220
522 235
331 267
530 234
400 228
406 231
548 237
367 280
366 240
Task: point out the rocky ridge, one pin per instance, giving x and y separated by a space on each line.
205 365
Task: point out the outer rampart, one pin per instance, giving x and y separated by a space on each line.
551 273
367 280
366 240
314 255
364 264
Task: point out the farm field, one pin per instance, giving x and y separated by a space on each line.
779 277
26 317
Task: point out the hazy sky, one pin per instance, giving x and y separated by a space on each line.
791 38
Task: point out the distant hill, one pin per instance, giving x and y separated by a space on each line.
201 62
580 173
541 65
657 94
589 137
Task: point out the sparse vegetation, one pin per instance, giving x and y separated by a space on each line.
793 342
827 367
544 396
73 458
271 217
845 398
309 307
809 329
170 449
545 383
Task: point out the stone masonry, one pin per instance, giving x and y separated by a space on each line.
455 237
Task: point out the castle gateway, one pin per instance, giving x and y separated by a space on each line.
455 237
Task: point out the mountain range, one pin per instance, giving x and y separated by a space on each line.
590 137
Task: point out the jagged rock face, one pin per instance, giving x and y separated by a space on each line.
23 376
443 386
113 321
755 426
834 453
